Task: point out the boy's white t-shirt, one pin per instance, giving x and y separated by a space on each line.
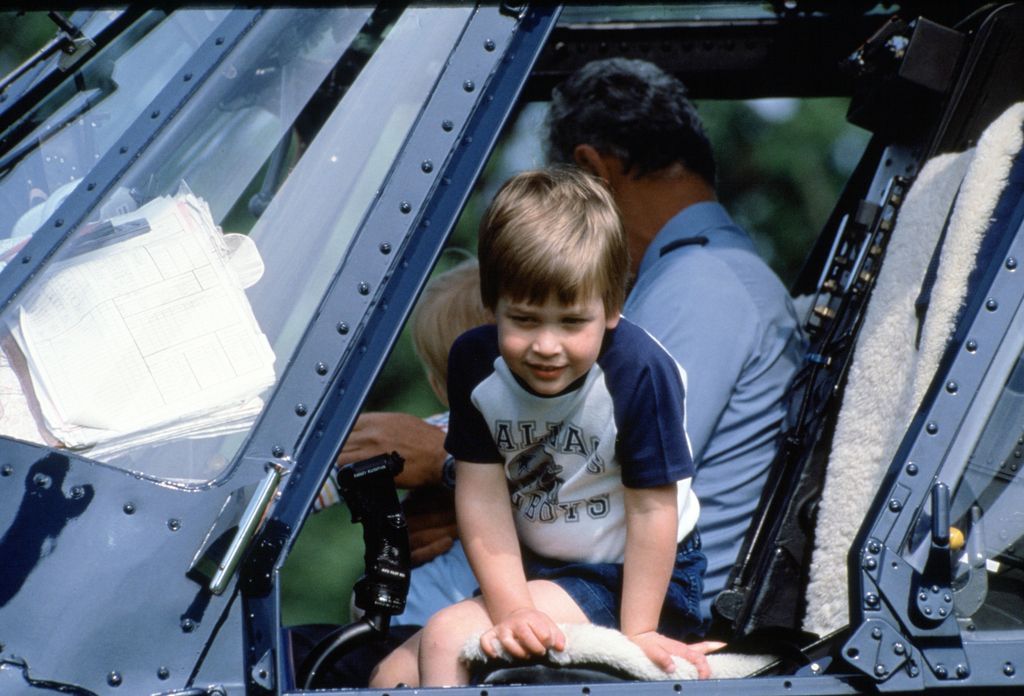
568 457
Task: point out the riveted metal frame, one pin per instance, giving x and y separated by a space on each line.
883 584
364 310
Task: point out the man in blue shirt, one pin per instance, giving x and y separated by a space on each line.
701 289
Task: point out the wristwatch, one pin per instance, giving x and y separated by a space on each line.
448 473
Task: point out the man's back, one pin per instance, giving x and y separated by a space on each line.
703 291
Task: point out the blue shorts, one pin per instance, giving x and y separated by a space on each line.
597 588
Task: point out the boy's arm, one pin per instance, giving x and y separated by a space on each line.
651 526
489 538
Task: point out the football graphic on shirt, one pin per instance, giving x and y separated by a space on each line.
534 471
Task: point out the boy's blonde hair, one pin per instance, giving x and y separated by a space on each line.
553 232
450 305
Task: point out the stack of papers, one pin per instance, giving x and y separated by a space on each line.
139 333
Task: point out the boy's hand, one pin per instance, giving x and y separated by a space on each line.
660 649
524 632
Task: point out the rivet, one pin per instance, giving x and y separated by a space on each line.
277 451
364 288
385 247
952 387
468 85
342 328
26 259
174 524
163 673
870 564
447 125
991 304
129 508
7 470
880 670
187 77
155 113
58 222
405 206
928 611
932 427
962 672
90 186
972 345
188 625
899 648
876 633
913 671
940 672
77 492
123 149
489 45
935 589
947 598
321 369
41 480
219 41
1009 670
114 679
874 546
300 410
912 469
895 505
1011 263
871 600
923 596
427 166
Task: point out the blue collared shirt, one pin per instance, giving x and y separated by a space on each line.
725 316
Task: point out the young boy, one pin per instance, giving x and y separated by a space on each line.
567 423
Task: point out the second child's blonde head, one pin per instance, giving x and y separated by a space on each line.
553 233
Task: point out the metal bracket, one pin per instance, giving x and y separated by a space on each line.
262 673
879 650
918 604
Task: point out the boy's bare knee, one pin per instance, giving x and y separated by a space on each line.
399 667
448 629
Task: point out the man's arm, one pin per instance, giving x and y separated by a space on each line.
489 537
420 444
651 526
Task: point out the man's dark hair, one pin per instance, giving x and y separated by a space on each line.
630 109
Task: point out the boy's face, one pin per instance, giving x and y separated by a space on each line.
551 345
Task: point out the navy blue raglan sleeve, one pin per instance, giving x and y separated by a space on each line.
470 361
649 400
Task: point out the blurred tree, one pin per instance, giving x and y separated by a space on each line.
22 34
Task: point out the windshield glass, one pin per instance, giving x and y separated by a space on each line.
983 471
54 145
987 534
154 338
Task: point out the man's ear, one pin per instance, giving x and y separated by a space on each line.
588 158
